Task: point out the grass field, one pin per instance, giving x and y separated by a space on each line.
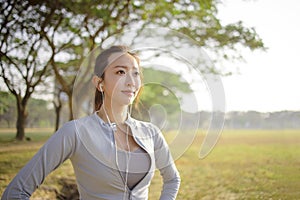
245 164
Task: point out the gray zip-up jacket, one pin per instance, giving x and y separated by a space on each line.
89 143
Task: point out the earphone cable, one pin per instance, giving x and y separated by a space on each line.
127 160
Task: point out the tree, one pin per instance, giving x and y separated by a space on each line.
85 22
68 30
57 103
24 52
94 23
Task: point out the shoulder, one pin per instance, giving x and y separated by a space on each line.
84 122
77 124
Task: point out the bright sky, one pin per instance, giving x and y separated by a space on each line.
268 81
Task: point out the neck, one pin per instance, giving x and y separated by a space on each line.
113 114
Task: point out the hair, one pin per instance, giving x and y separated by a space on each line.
102 63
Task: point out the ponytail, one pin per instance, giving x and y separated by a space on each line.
98 100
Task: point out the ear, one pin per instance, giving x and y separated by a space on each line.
96 82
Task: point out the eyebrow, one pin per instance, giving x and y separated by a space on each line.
125 67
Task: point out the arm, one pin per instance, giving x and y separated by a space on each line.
55 151
167 168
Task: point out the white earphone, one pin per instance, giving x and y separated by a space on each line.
128 155
101 87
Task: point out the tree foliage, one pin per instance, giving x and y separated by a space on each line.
23 64
159 100
41 39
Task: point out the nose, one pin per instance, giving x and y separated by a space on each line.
130 80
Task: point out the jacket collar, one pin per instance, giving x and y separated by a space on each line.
131 122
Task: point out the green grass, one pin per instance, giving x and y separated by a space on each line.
243 165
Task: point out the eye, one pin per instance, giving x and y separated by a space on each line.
136 73
120 72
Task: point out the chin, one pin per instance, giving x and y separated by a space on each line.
126 102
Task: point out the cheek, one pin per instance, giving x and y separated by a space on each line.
110 85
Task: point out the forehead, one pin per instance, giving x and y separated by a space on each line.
122 59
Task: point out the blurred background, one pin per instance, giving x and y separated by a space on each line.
252 47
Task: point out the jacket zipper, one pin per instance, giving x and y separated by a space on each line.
127 190
140 145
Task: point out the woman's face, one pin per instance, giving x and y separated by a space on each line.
122 79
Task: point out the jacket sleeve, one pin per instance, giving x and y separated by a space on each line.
55 151
165 164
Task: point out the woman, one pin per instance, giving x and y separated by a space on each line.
113 155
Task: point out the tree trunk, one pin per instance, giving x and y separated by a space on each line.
70 107
57 113
8 123
21 120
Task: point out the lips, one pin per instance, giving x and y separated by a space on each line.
129 93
